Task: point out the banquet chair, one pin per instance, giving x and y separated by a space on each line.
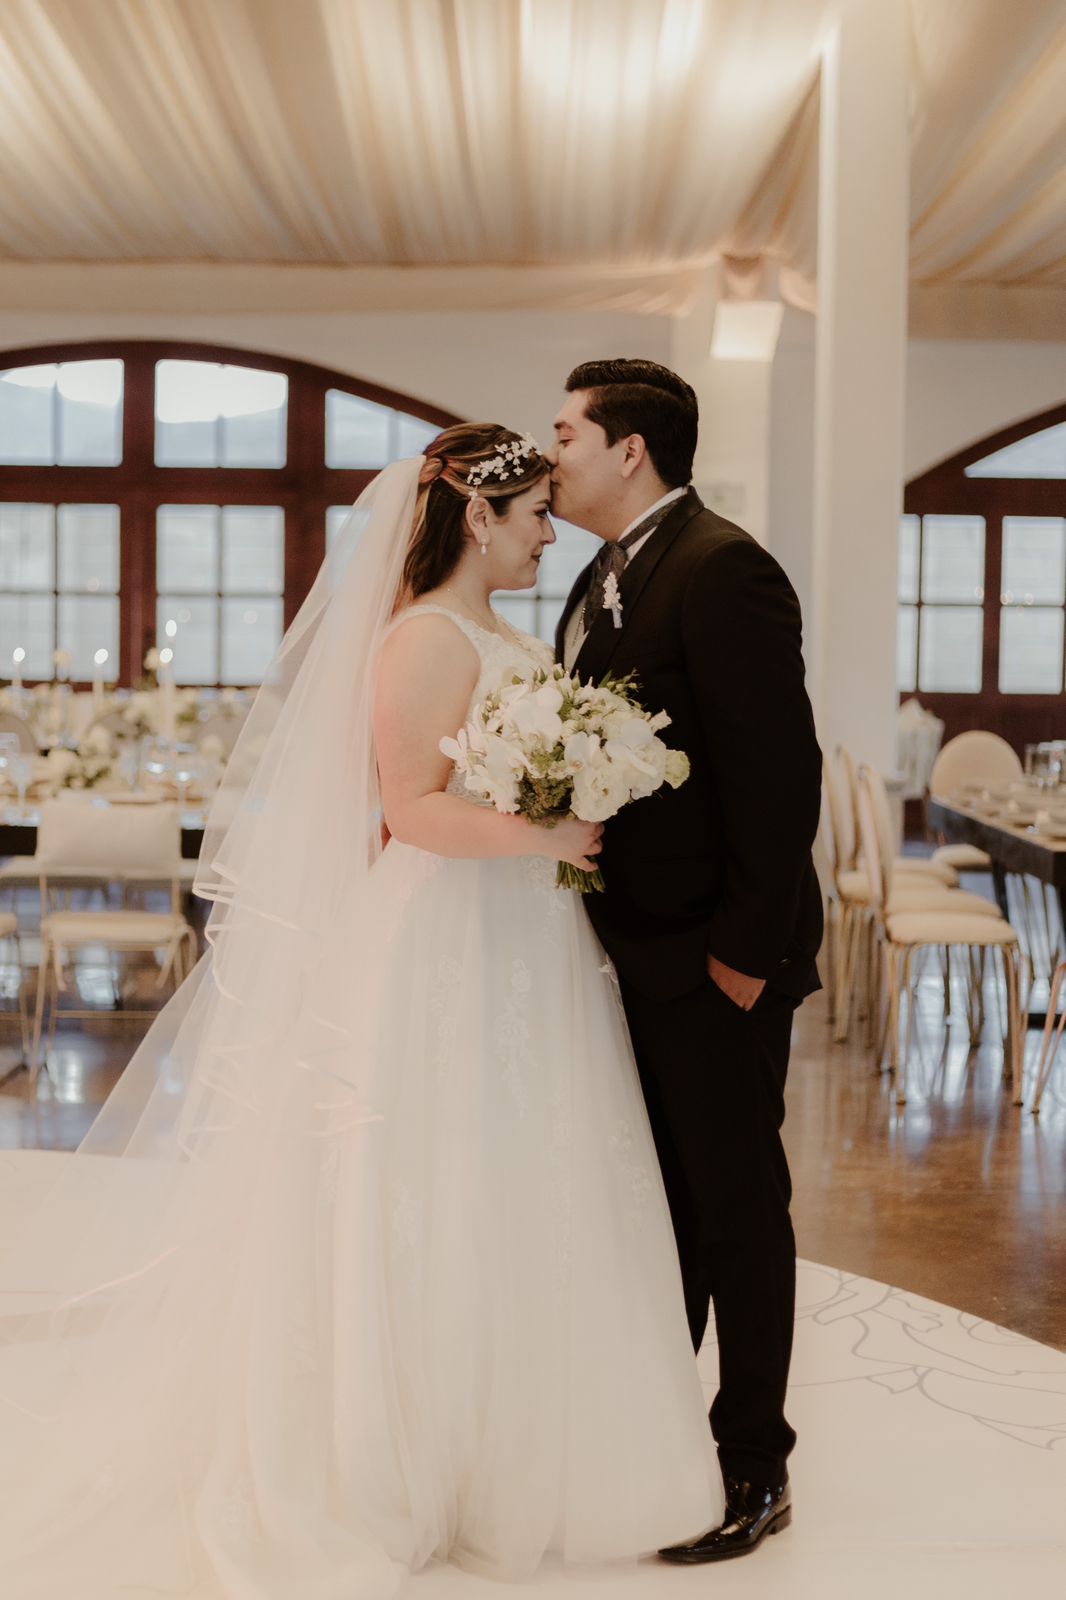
852 888
144 842
906 866
903 935
973 757
983 758
23 872
1054 1025
852 942
11 722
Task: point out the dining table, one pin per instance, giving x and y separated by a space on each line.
1014 846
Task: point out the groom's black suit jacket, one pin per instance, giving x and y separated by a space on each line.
711 627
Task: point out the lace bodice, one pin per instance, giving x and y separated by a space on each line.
500 654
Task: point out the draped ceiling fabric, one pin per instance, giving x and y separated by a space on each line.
523 152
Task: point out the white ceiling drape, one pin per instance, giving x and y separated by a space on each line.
602 151
988 171
438 132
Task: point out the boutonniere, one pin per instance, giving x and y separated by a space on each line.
612 599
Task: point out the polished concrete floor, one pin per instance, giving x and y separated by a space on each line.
958 1195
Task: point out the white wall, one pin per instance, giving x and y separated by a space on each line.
500 366
790 496
959 391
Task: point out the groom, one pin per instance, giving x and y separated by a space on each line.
712 912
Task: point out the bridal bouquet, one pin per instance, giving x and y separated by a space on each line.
547 745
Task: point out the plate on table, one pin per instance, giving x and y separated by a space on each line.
1051 827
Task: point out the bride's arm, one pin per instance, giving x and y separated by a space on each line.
426 676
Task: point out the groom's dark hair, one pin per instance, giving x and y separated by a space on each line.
632 396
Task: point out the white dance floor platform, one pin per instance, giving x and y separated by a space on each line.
931 1461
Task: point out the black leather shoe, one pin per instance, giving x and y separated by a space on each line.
751 1512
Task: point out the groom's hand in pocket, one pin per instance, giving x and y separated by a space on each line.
736 986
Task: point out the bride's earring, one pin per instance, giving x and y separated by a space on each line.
484 547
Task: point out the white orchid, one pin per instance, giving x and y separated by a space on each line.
580 751
535 714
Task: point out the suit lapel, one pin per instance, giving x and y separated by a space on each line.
595 656
574 598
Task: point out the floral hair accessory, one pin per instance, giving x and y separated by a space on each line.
505 465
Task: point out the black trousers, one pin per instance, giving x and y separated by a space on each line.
714 1078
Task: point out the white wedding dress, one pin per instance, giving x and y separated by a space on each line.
462 1337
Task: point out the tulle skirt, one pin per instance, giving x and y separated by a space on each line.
451 1330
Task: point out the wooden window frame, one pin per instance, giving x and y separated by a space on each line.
303 487
945 490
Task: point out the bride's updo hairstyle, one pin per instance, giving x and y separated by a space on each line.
471 458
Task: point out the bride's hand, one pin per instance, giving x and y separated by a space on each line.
574 841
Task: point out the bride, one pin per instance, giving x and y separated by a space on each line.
366 1263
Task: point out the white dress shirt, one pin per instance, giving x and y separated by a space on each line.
575 628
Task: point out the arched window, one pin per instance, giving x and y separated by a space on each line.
179 493
982 598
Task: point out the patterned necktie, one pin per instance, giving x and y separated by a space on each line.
612 560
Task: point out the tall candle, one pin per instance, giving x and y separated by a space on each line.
167 704
18 656
98 681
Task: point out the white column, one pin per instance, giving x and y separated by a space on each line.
859 377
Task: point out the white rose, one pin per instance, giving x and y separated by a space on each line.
599 792
677 768
60 762
97 742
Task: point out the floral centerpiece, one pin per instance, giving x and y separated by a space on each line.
547 745
87 767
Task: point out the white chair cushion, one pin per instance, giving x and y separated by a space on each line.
8 924
28 869
19 867
963 857
936 927
925 867
954 901
112 927
855 886
185 872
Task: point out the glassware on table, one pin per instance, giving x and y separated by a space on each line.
129 762
20 770
185 769
1056 749
9 748
156 758
1037 765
